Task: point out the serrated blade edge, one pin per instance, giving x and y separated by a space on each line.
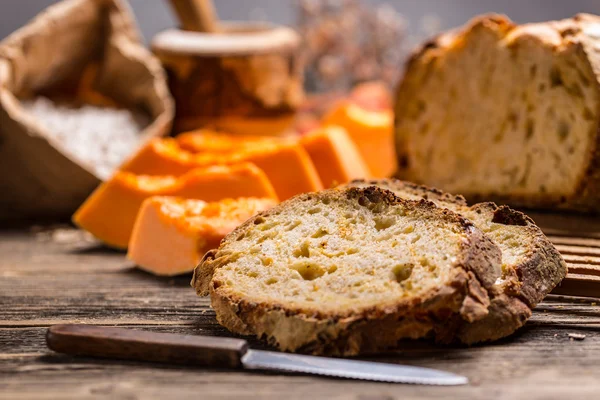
351 369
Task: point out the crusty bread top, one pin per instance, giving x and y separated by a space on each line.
413 191
500 111
347 252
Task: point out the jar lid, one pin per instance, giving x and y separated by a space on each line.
236 39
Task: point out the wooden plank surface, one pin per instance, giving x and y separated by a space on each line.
60 276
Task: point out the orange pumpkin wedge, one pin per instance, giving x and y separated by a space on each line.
164 156
171 234
334 155
206 141
284 161
289 168
109 212
371 131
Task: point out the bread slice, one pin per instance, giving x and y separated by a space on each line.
505 112
531 265
349 271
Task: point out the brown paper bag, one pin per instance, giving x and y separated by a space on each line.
87 51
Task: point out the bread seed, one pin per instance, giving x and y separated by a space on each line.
402 272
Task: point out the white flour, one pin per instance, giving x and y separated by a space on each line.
99 137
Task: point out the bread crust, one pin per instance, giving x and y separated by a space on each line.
437 314
422 191
522 286
573 35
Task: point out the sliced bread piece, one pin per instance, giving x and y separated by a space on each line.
349 271
505 112
531 265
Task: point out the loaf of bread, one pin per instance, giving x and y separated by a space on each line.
351 270
531 265
506 112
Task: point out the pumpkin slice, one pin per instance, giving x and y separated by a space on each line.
284 161
371 131
289 168
165 157
335 155
109 213
171 234
207 141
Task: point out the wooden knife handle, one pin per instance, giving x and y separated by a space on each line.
129 344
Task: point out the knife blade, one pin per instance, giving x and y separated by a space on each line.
129 344
352 369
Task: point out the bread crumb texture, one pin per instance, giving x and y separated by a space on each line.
531 265
355 254
501 110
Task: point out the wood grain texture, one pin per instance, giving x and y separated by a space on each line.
64 277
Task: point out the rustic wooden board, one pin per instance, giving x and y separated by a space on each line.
63 276
577 237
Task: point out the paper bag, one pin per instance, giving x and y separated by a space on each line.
85 50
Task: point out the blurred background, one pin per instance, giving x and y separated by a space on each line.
345 41
422 16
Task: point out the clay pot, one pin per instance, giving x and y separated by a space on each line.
247 78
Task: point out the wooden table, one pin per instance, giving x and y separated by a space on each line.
61 276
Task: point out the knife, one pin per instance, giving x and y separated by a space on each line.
129 344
